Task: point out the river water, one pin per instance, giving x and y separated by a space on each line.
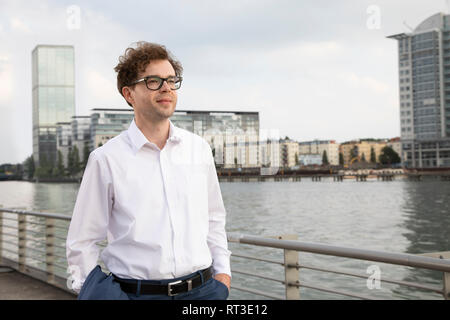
397 216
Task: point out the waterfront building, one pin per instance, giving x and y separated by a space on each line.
319 146
310 159
424 82
108 123
64 140
346 148
81 135
53 98
75 133
289 151
233 136
396 145
240 149
269 152
358 150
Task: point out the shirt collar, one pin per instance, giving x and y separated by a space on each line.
138 139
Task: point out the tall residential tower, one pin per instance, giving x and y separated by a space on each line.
424 80
53 86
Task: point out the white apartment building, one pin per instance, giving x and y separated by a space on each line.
289 151
319 146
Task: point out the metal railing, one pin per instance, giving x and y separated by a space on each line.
34 243
433 261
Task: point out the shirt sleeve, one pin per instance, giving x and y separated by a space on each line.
217 237
89 220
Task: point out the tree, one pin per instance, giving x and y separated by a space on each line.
41 172
18 170
354 152
45 168
70 162
73 161
86 152
325 158
373 158
55 172
213 151
76 160
296 159
341 159
60 166
43 161
363 157
389 156
30 166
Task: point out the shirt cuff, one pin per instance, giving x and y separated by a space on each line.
76 286
221 264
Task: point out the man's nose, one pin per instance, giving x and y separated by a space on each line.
165 86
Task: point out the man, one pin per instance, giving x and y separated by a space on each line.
153 192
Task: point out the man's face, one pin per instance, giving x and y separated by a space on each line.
159 104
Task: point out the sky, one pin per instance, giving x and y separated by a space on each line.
312 69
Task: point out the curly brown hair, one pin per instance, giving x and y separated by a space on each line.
136 60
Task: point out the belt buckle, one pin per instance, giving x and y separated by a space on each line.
169 288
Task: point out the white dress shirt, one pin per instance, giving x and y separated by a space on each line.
160 210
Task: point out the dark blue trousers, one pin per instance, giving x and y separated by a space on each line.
100 286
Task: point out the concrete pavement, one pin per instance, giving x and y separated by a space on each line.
17 286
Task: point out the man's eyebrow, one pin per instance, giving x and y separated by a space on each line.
159 76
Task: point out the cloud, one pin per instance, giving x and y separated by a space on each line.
95 52
6 80
312 68
99 87
364 82
19 25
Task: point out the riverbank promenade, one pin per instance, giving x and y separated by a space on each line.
18 286
32 244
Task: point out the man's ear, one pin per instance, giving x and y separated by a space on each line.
126 91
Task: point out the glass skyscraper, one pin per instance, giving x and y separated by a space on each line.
424 81
53 85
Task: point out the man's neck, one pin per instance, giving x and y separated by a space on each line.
156 131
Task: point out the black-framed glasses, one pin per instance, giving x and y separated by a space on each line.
155 82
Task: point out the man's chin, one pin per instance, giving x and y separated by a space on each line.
157 112
165 113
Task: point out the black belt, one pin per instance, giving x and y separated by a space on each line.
170 289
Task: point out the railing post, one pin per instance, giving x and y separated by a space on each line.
446 290
446 275
21 228
291 270
446 281
50 248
